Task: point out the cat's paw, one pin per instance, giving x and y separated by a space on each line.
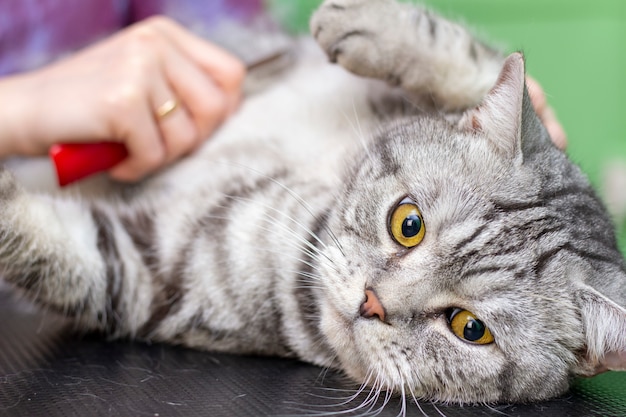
434 60
335 19
356 34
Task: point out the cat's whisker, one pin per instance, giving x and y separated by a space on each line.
358 131
402 412
364 385
434 405
347 400
303 261
326 369
374 408
309 254
308 287
311 287
417 403
313 252
421 106
494 409
282 213
306 281
330 389
297 198
372 397
309 281
309 275
342 400
334 409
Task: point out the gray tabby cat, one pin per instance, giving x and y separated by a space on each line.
424 238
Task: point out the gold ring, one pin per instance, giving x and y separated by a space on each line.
166 108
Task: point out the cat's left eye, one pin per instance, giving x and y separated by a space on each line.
406 224
467 327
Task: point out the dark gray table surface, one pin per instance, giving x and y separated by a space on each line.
47 369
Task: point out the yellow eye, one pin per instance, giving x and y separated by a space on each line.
467 327
406 224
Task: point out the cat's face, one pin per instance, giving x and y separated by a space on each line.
463 314
455 275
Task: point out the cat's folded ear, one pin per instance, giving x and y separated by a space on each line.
499 117
605 331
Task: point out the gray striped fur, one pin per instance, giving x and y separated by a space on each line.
265 240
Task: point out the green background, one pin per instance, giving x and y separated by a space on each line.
576 49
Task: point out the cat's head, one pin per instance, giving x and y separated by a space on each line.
465 259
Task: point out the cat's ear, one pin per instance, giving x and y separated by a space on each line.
605 331
499 117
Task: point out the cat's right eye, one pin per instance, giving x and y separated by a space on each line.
467 327
406 224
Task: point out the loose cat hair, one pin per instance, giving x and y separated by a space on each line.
402 217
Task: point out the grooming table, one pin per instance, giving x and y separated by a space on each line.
47 369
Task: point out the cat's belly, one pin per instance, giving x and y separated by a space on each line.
313 115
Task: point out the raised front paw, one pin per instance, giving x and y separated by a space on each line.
357 34
337 23
434 60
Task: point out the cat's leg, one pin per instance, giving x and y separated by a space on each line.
431 58
73 257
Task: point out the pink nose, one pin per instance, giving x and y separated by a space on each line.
372 306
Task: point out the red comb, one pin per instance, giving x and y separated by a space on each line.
75 161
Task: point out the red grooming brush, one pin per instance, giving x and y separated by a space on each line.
75 161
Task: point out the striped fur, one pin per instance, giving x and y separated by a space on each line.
265 240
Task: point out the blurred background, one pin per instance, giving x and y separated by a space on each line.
576 49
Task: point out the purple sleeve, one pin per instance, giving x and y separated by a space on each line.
33 33
196 12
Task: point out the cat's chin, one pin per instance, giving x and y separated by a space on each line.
353 341
339 331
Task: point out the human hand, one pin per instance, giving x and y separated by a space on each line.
546 114
154 87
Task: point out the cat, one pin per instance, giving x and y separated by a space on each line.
402 217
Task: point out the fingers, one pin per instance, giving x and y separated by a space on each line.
227 71
161 130
203 81
546 113
143 142
114 90
206 103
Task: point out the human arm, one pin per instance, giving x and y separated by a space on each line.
113 90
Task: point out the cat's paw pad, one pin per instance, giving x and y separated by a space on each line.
349 32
